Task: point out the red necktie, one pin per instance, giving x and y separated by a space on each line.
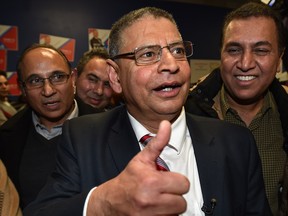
160 163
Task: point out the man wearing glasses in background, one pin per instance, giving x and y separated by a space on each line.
100 169
28 139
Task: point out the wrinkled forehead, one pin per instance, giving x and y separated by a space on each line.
149 29
243 23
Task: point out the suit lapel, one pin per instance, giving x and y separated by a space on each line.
205 151
123 142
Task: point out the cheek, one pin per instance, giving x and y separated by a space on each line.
268 75
135 78
188 73
226 66
227 61
33 98
267 67
131 89
83 85
68 93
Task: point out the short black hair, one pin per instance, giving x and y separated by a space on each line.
97 52
257 9
3 73
115 37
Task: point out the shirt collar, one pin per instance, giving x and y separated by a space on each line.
225 107
178 134
56 130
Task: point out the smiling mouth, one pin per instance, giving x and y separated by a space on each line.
167 88
52 103
245 78
94 98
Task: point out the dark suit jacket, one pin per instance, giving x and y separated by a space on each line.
13 136
97 148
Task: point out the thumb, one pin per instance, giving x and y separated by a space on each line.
157 143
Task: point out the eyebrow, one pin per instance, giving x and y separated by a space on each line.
232 44
49 74
259 43
263 43
91 74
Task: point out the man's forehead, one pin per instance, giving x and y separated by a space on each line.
3 79
42 51
147 27
241 22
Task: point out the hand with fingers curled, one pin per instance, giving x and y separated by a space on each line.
141 189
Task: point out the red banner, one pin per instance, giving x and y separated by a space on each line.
3 60
12 80
66 45
8 37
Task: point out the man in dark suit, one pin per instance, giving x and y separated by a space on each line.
214 166
28 139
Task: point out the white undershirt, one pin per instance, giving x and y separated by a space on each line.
180 158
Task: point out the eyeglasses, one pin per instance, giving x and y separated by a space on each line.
150 54
35 81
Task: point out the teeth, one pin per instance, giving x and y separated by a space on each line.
245 78
50 104
167 89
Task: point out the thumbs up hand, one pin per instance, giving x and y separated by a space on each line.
141 189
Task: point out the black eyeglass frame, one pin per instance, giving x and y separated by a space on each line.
42 81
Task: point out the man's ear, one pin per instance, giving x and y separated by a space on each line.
113 74
21 87
279 67
73 78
